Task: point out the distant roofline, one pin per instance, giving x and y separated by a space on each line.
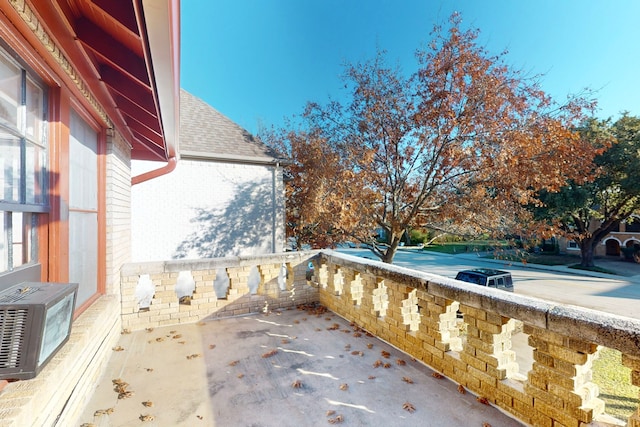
234 158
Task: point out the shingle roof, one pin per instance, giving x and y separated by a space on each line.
207 133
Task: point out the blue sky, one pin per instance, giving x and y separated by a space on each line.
258 61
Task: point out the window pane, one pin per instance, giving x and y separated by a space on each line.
4 242
83 170
10 78
9 168
17 244
83 253
35 104
35 174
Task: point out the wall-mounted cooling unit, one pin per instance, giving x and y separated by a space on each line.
35 322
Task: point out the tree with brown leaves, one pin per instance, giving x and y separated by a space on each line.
460 145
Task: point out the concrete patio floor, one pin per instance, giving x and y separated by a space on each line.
291 368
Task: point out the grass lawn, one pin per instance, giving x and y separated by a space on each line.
614 380
472 246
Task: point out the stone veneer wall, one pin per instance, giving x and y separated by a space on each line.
275 290
416 312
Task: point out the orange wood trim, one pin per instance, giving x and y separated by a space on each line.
60 116
22 43
43 59
85 305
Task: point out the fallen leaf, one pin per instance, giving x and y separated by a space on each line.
437 375
336 420
118 348
330 412
408 407
482 400
401 362
461 389
194 356
147 403
269 354
297 384
344 387
407 380
147 418
234 363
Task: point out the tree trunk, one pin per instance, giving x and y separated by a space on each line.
586 253
394 242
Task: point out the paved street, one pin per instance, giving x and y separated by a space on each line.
613 294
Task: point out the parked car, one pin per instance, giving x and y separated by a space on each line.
487 277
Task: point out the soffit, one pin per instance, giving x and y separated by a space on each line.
131 48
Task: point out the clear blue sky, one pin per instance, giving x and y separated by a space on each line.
258 61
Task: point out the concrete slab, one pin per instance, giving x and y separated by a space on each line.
293 368
164 367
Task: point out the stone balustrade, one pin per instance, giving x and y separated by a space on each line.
418 313
186 291
461 330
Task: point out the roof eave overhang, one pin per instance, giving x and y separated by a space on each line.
234 158
160 30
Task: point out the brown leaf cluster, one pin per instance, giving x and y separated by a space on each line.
462 144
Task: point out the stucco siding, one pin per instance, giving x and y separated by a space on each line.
206 209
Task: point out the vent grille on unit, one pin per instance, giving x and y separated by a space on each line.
13 325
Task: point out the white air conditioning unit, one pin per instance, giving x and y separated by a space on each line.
35 322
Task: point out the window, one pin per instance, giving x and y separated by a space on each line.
83 207
571 244
632 225
23 164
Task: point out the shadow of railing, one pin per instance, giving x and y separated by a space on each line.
417 313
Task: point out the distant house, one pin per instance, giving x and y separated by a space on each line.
225 197
626 235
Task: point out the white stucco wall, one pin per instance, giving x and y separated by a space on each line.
207 209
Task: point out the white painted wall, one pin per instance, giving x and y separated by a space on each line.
207 209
